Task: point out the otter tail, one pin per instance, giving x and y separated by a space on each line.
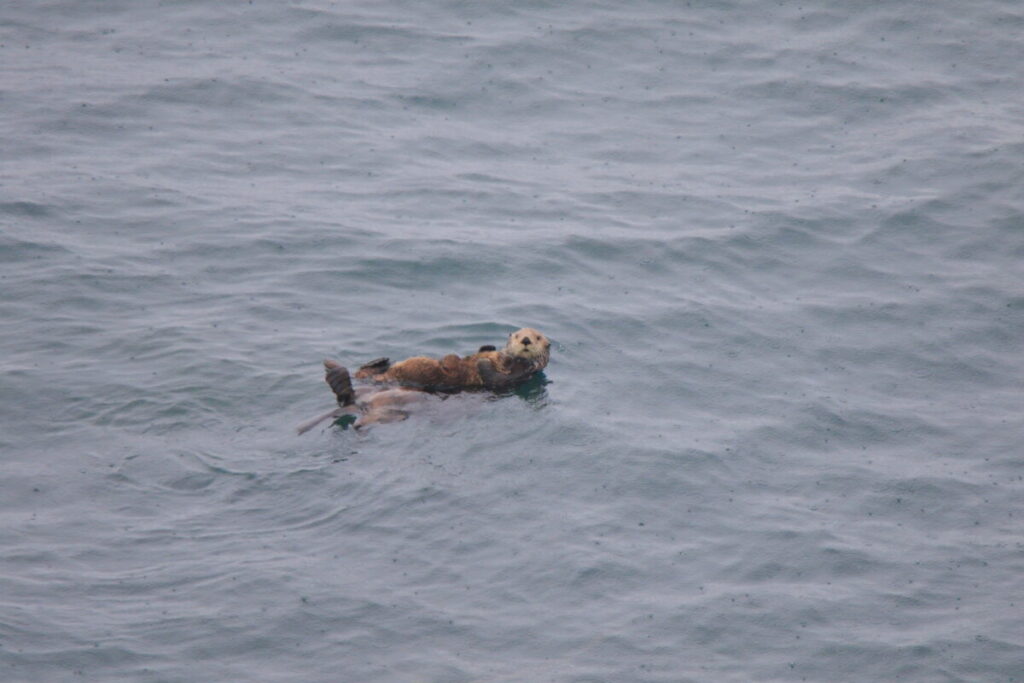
306 426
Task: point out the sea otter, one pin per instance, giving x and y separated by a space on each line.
526 353
369 405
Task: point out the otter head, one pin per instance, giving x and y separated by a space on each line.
530 344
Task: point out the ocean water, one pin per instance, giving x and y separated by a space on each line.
778 247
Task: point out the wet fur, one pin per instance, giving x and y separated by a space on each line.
369 405
526 353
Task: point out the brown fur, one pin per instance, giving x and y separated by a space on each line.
527 352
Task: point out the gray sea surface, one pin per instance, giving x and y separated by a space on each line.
778 246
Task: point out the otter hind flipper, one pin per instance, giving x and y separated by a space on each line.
338 379
377 365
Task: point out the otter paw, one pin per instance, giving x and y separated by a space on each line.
492 379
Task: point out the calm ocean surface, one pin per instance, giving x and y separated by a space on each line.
779 248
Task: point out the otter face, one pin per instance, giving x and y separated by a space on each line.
528 343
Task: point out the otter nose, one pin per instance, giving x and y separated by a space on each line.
526 341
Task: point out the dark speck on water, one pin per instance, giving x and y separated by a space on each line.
778 249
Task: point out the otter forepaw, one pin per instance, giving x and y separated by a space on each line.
494 380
